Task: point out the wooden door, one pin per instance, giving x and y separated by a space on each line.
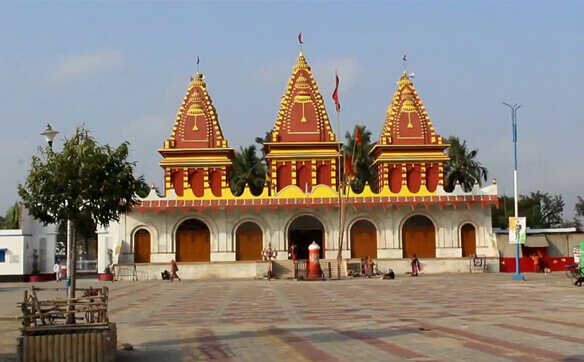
248 245
363 240
469 240
419 240
193 245
142 246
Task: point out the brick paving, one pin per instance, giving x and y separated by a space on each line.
450 317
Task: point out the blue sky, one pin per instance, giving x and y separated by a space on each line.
122 70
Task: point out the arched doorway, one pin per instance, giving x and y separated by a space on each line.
248 242
363 239
468 240
302 232
419 237
193 241
142 246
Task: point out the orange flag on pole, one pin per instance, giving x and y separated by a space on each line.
358 135
336 93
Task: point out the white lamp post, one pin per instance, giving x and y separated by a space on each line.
49 133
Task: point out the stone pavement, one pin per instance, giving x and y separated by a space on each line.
463 317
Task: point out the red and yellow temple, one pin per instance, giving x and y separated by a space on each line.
199 219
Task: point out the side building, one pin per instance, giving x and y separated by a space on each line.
211 232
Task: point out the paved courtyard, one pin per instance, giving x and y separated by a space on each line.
434 317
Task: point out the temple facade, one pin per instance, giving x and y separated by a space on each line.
199 221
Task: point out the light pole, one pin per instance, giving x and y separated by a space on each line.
49 133
514 108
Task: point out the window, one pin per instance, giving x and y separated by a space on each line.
2 255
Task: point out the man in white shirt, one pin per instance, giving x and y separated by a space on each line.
57 270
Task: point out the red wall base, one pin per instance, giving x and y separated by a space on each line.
507 265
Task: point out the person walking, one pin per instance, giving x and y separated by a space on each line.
173 270
371 265
415 265
58 270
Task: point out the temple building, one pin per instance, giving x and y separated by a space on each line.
211 232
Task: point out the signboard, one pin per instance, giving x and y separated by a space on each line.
517 230
14 259
577 252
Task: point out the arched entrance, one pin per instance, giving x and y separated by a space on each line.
142 246
248 242
419 237
363 239
468 238
193 241
302 232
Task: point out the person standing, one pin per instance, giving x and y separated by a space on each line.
173 270
58 270
415 265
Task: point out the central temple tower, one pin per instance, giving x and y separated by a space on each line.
303 150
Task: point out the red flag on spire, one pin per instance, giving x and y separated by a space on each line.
198 60
300 38
358 135
336 94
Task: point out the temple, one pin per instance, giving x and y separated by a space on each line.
199 222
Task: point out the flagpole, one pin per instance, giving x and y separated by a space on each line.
340 189
198 61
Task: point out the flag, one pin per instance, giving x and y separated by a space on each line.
404 58
300 38
358 135
336 94
198 60
349 171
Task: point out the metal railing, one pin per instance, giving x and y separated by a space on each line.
301 269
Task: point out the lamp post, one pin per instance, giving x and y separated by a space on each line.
514 108
49 133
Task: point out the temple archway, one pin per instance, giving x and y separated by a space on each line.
193 241
142 246
468 240
302 232
419 237
248 242
363 239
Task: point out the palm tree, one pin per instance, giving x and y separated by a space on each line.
462 166
248 169
362 159
261 141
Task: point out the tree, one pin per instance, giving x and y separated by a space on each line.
248 169
361 157
12 218
84 183
542 211
261 141
463 166
579 208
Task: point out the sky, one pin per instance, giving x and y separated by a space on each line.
122 69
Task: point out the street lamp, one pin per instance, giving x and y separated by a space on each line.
514 108
49 133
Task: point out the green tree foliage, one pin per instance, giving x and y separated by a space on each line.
463 166
362 159
12 219
248 169
541 209
85 183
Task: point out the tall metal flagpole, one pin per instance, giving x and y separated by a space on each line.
514 108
